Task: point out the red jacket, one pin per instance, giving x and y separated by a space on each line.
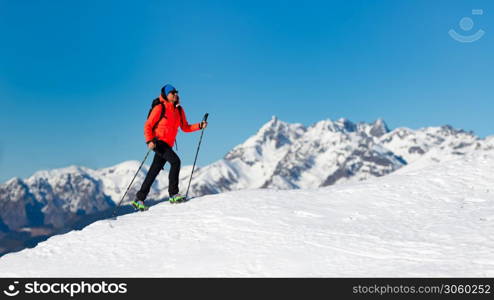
167 128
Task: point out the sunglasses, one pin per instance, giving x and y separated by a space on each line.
174 92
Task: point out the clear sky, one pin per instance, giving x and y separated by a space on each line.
77 77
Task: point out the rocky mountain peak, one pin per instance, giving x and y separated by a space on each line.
347 125
379 128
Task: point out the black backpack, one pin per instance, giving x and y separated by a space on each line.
157 102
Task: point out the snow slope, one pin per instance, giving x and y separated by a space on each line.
433 221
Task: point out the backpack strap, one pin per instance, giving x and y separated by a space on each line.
180 114
162 115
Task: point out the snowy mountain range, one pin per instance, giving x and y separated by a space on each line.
287 156
434 221
279 156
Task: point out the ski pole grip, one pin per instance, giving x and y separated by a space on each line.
205 117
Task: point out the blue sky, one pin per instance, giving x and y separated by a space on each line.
77 77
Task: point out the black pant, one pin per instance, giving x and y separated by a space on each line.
163 153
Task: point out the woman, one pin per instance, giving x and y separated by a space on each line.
160 131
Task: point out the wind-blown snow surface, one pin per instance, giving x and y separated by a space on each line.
435 221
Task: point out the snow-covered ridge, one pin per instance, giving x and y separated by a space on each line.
431 222
279 156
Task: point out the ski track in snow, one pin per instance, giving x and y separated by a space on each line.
436 221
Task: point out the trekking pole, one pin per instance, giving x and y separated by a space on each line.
119 203
195 159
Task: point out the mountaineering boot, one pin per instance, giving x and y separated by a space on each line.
177 198
139 205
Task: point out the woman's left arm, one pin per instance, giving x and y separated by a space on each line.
184 125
